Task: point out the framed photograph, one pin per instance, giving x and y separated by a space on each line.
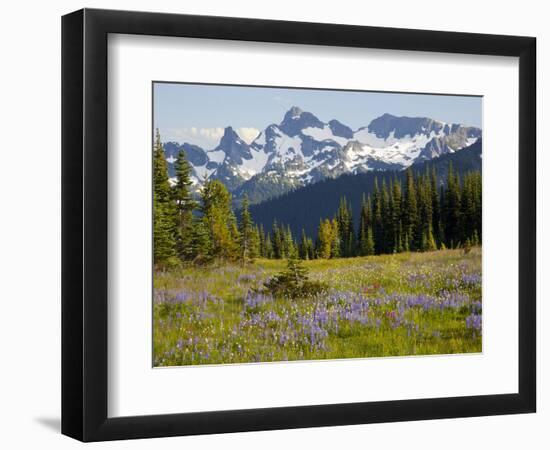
273 225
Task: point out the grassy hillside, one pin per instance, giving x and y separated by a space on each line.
405 304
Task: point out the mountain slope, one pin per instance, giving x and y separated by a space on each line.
303 150
305 206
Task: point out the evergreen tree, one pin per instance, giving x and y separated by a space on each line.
268 247
328 239
303 246
289 246
429 244
345 228
185 204
436 208
365 221
336 245
410 211
452 210
477 207
377 226
220 220
396 217
424 209
386 207
201 243
261 242
164 211
369 242
255 243
310 249
246 232
277 241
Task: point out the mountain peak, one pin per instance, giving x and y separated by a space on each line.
403 126
339 129
229 132
293 113
233 146
302 150
296 120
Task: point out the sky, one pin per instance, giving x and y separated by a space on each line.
197 114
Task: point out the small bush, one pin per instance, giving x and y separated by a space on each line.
294 282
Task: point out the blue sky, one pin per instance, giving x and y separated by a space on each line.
197 114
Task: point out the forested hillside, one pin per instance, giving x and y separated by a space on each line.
302 208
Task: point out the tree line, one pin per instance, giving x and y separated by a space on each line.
418 214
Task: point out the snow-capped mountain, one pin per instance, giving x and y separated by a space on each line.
302 149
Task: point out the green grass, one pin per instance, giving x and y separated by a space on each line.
390 305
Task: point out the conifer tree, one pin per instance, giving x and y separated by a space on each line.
164 212
185 204
261 242
268 247
345 228
201 242
303 246
288 243
410 211
436 208
365 222
310 249
386 207
429 244
396 216
377 226
336 244
424 209
220 220
246 232
277 241
328 239
452 210
255 244
369 242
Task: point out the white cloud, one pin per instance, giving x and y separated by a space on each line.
248 134
212 134
207 138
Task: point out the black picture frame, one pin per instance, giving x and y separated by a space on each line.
84 224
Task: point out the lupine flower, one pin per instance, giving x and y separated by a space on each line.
473 321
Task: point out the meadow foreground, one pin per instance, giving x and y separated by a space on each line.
389 305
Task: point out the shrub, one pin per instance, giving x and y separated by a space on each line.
294 282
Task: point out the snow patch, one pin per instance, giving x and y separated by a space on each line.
324 134
255 165
216 155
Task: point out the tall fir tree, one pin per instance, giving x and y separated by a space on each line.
386 206
344 217
425 215
377 225
410 211
452 210
277 241
164 210
246 232
185 204
364 222
436 207
261 242
220 220
201 241
396 217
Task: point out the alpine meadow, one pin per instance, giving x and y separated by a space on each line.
350 228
